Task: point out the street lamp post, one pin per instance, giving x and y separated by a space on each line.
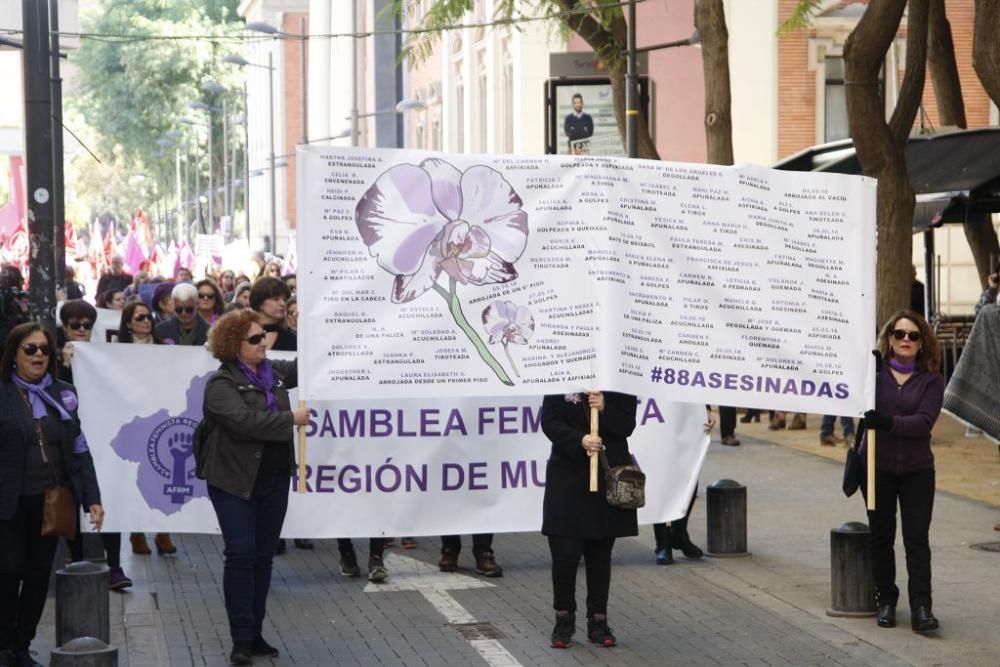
240 61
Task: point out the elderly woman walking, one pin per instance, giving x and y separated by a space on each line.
247 461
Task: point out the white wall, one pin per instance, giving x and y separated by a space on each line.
753 77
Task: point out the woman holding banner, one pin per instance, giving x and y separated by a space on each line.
579 523
246 459
909 391
42 449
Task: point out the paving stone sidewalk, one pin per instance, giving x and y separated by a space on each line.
764 610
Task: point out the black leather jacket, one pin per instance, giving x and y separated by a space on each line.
17 434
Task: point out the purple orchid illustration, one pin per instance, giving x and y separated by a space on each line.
422 221
506 322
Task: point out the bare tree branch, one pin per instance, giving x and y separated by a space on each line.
943 68
912 89
986 47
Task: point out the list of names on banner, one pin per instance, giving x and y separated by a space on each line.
455 275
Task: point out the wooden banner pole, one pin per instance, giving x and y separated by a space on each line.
870 499
593 456
302 454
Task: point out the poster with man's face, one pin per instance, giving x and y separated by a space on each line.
586 118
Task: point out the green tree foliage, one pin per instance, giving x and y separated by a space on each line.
132 92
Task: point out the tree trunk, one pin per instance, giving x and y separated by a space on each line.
943 69
979 232
710 22
880 145
982 238
609 46
986 47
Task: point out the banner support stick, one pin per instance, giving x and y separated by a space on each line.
593 455
302 454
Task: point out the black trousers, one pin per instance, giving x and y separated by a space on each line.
566 554
376 546
727 420
112 547
480 543
25 562
915 495
664 534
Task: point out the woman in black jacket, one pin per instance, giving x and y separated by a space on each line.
40 437
577 522
247 461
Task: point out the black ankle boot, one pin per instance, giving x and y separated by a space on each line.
922 620
242 653
886 616
682 541
262 648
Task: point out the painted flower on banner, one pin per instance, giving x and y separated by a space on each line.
425 222
420 221
506 322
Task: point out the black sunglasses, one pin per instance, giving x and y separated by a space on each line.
31 349
187 310
202 295
256 339
76 326
899 334
142 317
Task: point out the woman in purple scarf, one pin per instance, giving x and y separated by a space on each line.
909 392
41 445
247 458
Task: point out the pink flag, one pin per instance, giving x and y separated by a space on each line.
185 257
134 256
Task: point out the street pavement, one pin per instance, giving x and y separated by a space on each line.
766 609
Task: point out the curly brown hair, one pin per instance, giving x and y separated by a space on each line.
929 356
228 332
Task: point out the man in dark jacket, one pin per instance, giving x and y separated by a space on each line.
115 279
185 327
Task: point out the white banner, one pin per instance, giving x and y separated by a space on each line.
429 466
479 275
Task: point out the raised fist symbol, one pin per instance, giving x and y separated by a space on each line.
181 444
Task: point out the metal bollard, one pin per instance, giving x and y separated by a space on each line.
852 589
83 605
84 652
727 519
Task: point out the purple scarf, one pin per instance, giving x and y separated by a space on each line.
901 367
263 379
38 398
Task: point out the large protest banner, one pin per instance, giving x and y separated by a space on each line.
479 275
425 466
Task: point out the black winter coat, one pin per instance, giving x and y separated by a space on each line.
17 434
241 426
570 509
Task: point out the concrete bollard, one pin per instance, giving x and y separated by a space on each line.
83 605
84 652
727 519
852 589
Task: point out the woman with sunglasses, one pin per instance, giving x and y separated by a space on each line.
40 443
908 396
210 304
247 461
77 319
136 326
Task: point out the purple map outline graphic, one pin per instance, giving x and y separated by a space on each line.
161 444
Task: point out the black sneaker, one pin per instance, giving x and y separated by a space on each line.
599 633
376 570
562 634
349 564
262 648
